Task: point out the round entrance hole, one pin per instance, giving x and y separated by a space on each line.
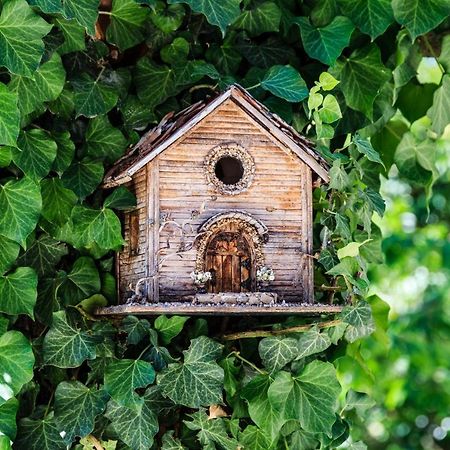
229 170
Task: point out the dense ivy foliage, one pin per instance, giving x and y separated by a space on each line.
368 81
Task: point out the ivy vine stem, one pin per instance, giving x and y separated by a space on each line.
266 333
246 361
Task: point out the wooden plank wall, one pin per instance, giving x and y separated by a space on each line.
280 196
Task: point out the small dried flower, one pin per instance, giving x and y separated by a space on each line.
200 277
265 274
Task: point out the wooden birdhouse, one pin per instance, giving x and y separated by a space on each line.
223 222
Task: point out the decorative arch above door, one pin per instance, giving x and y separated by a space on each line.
230 246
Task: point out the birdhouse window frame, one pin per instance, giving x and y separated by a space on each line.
233 151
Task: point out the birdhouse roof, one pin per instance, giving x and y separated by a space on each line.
175 125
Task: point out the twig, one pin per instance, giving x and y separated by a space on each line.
95 442
329 288
266 333
238 355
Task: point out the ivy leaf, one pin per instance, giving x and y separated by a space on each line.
64 153
261 19
359 401
74 36
82 177
45 85
211 431
18 292
171 443
66 345
167 18
154 83
370 16
312 342
330 111
362 76
20 206
103 141
81 282
311 397
126 28
199 380
96 226
276 352
43 254
359 319
76 408
339 178
176 51
326 43
35 153
252 438
93 96
8 411
420 16
439 112
136 329
221 13
136 427
9 116
169 327
39 435
260 409
57 201
21 33
9 250
365 147
285 82
124 376
121 198
16 361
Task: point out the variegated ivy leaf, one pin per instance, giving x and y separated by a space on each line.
42 434
9 118
359 319
9 250
276 352
198 380
311 342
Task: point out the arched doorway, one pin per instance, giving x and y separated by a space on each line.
230 246
229 259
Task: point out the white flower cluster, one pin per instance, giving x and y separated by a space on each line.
265 274
200 277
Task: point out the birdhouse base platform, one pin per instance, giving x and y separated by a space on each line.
218 309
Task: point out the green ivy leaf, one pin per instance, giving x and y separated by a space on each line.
176 51
67 345
57 201
126 28
93 96
21 33
9 250
136 427
74 36
18 292
211 431
124 376
76 407
420 16
362 76
9 116
8 410
103 141
39 435
326 43
45 85
136 329
365 147
81 282
339 178
64 152
285 82
252 438
16 361
171 443
167 18
121 198
169 327
263 18
221 13
276 352
370 16
199 379
43 254
96 226
35 153
82 177
311 397
330 111
359 319
312 342
20 206
359 401
439 113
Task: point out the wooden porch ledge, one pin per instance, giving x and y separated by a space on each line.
189 309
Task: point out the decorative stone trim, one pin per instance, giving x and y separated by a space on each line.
232 150
241 298
254 230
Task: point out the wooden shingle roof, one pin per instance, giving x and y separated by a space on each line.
175 125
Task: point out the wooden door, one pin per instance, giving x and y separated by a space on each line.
228 258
